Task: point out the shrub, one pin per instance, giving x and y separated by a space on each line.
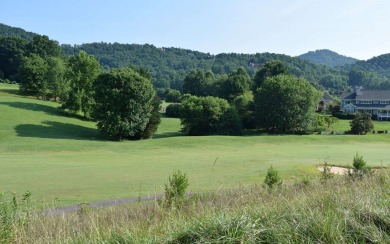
360 169
173 110
272 178
207 115
172 96
342 115
175 189
361 124
8 211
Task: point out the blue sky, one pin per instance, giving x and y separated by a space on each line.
356 28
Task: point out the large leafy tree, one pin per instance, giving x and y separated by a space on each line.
237 83
33 76
208 115
270 69
125 101
82 71
12 51
55 76
286 104
197 82
44 47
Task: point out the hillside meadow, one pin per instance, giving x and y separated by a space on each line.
64 160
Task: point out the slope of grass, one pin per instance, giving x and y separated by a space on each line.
64 160
341 210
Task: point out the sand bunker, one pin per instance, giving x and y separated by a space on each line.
335 170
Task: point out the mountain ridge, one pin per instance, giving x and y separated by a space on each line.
328 57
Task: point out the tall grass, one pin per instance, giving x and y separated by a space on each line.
341 211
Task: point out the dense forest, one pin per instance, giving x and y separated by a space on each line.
170 66
6 30
328 58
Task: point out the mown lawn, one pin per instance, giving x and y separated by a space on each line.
64 160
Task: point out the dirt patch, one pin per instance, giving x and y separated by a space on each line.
335 170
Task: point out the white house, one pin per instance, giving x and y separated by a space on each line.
375 102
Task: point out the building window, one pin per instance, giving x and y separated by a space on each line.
366 102
384 102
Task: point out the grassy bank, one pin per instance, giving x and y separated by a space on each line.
341 210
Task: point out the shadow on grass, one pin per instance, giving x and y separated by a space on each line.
58 130
34 107
10 91
43 108
167 134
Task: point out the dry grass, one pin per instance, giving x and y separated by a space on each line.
342 210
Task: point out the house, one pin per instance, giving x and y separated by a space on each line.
375 102
325 100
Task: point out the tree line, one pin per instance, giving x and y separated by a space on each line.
274 101
122 101
274 98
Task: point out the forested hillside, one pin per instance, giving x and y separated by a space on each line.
169 66
328 58
6 30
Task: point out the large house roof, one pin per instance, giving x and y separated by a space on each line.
367 95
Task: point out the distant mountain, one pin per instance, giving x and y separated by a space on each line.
6 30
328 58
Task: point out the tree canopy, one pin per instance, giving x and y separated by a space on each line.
125 101
286 104
82 71
208 116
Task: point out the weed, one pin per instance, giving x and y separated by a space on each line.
272 179
175 190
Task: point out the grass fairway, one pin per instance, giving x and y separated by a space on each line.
64 160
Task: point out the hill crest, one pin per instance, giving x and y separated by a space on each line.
328 58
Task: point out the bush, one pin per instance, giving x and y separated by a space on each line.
230 123
342 115
173 110
172 96
360 169
361 124
175 190
272 178
208 116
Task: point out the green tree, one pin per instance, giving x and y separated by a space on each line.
270 69
173 110
152 125
44 47
172 96
237 83
12 51
244 105
361 124
82 71
196 83
124 103
55 77
286 104
33 72
206 115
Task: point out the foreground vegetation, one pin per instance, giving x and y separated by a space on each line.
340 210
